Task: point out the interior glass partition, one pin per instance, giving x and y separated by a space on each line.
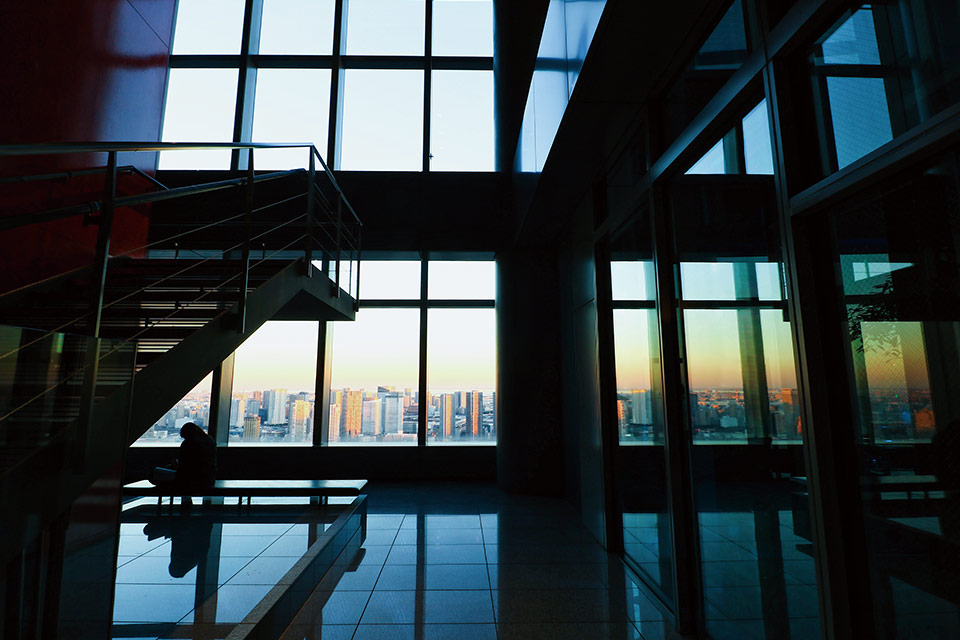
640 456
897 260
757 569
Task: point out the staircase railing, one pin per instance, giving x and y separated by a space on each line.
324 232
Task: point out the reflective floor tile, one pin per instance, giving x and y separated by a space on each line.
545 576
384 521
456 576
569 631
452 522
244 545
390 607
558 605
380 536
453 536
385 632
458 606
321 632
333 607
136 544
152 603
360 579
231 603
288 546
264 570
459 632
399 577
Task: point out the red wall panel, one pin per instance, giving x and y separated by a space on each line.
76 71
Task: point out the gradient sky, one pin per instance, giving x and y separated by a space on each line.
279 355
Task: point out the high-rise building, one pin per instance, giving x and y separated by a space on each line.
333 432
350 415
474 411
370 417
392 412
300 420
251 429
447 416
640 406
277 406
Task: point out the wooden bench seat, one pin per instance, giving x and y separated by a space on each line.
252 488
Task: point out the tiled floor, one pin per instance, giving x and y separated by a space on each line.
469 562
461 562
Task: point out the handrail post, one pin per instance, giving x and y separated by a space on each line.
336 279
245 258
88 392
308 248
356 300
104 231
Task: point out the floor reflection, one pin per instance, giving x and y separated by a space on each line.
473 563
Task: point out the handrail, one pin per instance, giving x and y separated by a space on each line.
22 220
345 237
66 175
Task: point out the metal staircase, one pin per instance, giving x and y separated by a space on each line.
91 358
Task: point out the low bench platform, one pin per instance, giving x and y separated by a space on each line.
252 488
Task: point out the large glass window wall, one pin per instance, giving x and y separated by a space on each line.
418 365
376 85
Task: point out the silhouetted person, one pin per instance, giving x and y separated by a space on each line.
189 541
196 465
946 451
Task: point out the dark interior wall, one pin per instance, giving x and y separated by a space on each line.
371 463
583 448
529 438
77 71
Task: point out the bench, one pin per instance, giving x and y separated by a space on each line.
250 488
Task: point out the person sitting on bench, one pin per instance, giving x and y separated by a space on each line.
195 467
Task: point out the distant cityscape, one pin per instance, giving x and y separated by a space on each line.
720 415
386 415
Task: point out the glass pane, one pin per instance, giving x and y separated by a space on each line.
292 105
390 280
757 151
200 108
375 377
297 27
462 280
462 28
641 456
208 26
385 27
880 70
898 267
382 120
710 163
194 407
757 562
274 385
461 376
633 280
461 121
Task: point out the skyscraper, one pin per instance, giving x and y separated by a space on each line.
392 412
370 417
447 416
333 434
474 409
251 429
351 413
300 420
